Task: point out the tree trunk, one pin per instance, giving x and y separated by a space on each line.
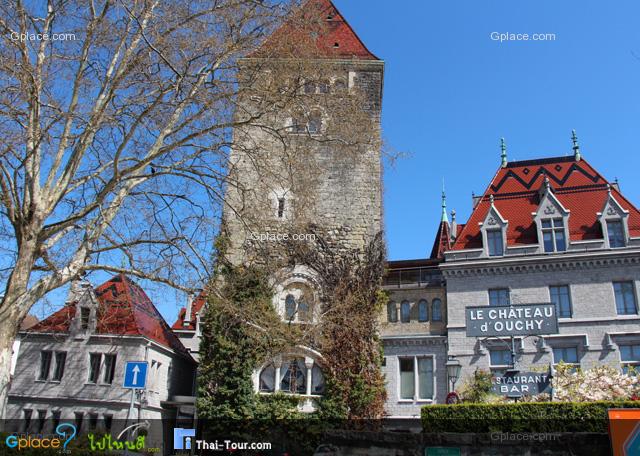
8 331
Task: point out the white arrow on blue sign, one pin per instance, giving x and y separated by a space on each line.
135 374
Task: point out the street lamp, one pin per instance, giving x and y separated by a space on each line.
453 370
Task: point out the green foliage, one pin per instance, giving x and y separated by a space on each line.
520 417
477 387
230 348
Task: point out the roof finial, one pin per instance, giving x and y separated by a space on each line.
503 155
547 184
491 199
453 215
444 217
576 146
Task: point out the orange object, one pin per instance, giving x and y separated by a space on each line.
624 431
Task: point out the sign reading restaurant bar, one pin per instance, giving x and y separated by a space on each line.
516 383
514 320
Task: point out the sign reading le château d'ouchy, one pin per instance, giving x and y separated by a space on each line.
515 320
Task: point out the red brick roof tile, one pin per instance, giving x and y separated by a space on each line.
315 30
196 308
515 189
124 309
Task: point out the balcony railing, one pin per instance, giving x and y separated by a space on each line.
397 278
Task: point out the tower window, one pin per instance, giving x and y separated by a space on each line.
315 122
85 313
280 207
553 235
392 312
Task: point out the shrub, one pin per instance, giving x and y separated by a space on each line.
476 388
521 417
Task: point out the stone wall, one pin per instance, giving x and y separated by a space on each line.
336 193
595 328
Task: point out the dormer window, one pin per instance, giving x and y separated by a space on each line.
493 229
616 233
494 242
85 314
553 235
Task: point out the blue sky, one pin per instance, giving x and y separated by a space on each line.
450 93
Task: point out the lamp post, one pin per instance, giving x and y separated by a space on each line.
453 370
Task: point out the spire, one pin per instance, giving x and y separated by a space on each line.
576 146
503 155
444 217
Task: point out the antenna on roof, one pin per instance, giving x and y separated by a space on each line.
576 146
503 155
444 217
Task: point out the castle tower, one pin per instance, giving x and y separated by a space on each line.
306 156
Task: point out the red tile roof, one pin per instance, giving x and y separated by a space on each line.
443 240
315 30
124 309
196 307
515 188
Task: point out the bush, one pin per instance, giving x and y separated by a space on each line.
521 417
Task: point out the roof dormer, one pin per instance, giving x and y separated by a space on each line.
552 221
614 220
494 231
86 305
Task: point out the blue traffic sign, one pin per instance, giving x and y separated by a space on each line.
135 374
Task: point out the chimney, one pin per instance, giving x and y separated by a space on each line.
187 313
454 226
475 199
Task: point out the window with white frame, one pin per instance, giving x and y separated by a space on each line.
615 233
625 298
436 310
630 358
298 303
561 297
553 235
499 297
405 311
567 355
294 376
495 242
416 378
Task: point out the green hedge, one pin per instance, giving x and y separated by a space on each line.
521 417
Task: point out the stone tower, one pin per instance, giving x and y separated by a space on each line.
306 156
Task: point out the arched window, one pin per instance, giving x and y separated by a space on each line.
423 310
303 309
340 85
296 375
323 87
293 377
392 312
405 312
268 379
315 122
290 306
436 310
